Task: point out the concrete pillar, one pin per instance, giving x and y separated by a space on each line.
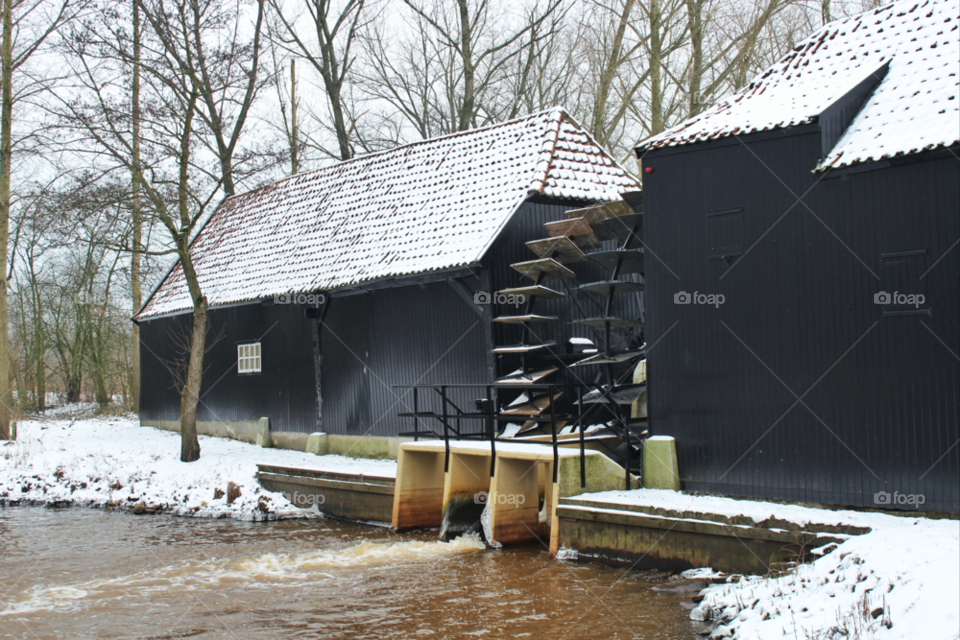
318 444
660 469
264 439
418 496
515 502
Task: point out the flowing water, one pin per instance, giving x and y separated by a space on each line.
81 573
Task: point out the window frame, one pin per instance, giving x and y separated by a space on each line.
251 361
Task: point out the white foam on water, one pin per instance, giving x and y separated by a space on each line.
271 568
364 554
486 521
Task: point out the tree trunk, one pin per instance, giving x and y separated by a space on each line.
343 136
6 124
656 60
190 395
294 135
101 393
469 75
136 294
695 29
73 388
607 75
39 353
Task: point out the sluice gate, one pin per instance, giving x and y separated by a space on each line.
449 485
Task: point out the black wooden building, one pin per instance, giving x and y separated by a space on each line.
822 202
330 288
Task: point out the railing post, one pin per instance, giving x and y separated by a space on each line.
416 417
493 431
553 428
446 435
583 466
626 426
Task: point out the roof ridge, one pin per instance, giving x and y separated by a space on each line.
589 135
811 76
367 156
555 127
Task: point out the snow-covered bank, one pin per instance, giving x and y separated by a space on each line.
114 462
901 580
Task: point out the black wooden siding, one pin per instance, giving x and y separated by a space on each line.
284 391
430 335
879 406
398 336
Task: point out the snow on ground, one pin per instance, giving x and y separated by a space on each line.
901 580
80 459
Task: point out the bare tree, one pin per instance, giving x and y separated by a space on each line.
136 211
545 73
201 46
65 268
290 125
660 31
448 74
330 50
26 26
31 246
177 190
738 34
628 46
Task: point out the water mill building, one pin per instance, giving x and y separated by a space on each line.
330 289
826 214
780 301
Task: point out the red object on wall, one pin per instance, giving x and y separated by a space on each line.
649 169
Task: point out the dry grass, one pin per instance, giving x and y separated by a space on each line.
861 623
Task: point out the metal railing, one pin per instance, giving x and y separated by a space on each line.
489 411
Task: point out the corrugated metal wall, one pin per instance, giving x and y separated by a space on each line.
430 335
284 391
406 335
799 387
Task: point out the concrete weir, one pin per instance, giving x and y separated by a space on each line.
516 504
339 495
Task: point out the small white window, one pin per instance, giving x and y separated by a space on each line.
248 358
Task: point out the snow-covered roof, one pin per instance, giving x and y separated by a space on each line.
428 206
915 107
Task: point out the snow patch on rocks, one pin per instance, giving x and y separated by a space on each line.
113 462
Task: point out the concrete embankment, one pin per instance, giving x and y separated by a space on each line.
355 497
649 536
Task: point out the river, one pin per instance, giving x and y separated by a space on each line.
85 573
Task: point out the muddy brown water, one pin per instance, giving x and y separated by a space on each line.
84 573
